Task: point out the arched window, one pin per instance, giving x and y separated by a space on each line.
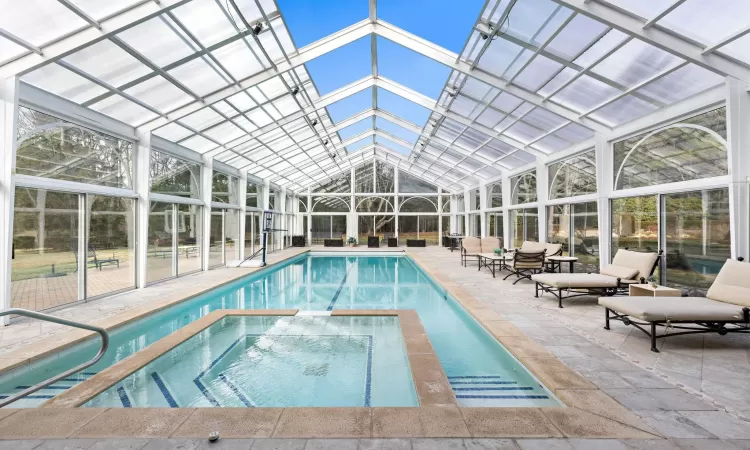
690 150
495 195
573 176
523 188
418 205
330 204
374 205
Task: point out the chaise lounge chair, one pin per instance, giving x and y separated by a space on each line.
628 267
726 309
471 247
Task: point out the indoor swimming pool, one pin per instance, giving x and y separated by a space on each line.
480 371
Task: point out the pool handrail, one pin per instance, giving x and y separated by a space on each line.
48 318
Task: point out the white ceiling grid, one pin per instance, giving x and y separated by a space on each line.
534 78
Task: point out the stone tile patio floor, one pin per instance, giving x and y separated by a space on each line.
682 392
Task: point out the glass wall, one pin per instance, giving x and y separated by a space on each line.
573 176
327 227
253 195
50 147
635 224
160 258
495 195
495 227
583 241
524 226
216 238
475 225
689 150
523 188
381 226
111 249
173 176
697 238
224 188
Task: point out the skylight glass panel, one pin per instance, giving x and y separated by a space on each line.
574 133
61 81
490 117
439 21
202 118
391 145
244 123
499 56
238 60
107 62
268 41
560 80
739 49
206 21
544 119
537 73
524 132
402 107
585 93
173 132
396 130
39 21
349 106
356 128
155 40
708 21
479 90
360 144
199 77
552 143
507 102
682 83
636 61
159 93
623 110
241 101
411 69
224 132
644 8
342 66
124 110
259 117
601 47
9 50
309 21
576 37
464 106
98 9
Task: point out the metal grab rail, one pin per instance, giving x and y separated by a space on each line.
46 317
251 257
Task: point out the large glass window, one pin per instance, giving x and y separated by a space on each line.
475 225
384 177
341 184
50 147
690 150
410 184
418 204
697 240
161 252
252 199
363 178
216 238
635 224
558 226
418 227
173 176
374 204
45 249
381 226
189 232
495 195
111 248
585 241
524 226
573 176
495 226
271 199
328 227
523 188
330 204
223 188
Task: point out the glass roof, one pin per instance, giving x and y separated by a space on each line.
300 91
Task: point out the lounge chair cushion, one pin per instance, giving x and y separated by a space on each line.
471 245
642 262
732 284
553 249
625 273
576 280
532 247
489 244
654 309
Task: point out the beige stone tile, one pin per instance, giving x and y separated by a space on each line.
412 328
396 422
133 423
418 344
442 421
502 328
601 404
364 312
508 422
324 423
523 347
426 366
486 315
576 423
434 393
46 423
556 375
230 423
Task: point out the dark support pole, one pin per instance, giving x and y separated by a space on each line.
559 298
265 242
606 318
653 338
536 290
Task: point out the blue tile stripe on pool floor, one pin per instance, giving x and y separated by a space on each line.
368 374
341 286
245 401
483 382
506 397
124 397
495 389
165 392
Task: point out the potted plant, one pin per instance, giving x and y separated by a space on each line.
652 281
352 241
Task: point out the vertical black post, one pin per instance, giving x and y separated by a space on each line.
265 241
606 318
653 338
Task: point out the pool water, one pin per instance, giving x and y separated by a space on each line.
481 371
254 361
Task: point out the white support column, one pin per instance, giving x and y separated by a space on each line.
440 219
604 180
738 140
395 200
265 198
308 231
207 172
8 117
542 195
507 233
483 207
454 214
142 185
283 224
242 201
352 225
466 216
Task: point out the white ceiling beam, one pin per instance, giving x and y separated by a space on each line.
18 41
727 40
652 21
658 37
87 36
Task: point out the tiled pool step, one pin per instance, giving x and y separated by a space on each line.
39 397
492 390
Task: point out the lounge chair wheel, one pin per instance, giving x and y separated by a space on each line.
722 331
